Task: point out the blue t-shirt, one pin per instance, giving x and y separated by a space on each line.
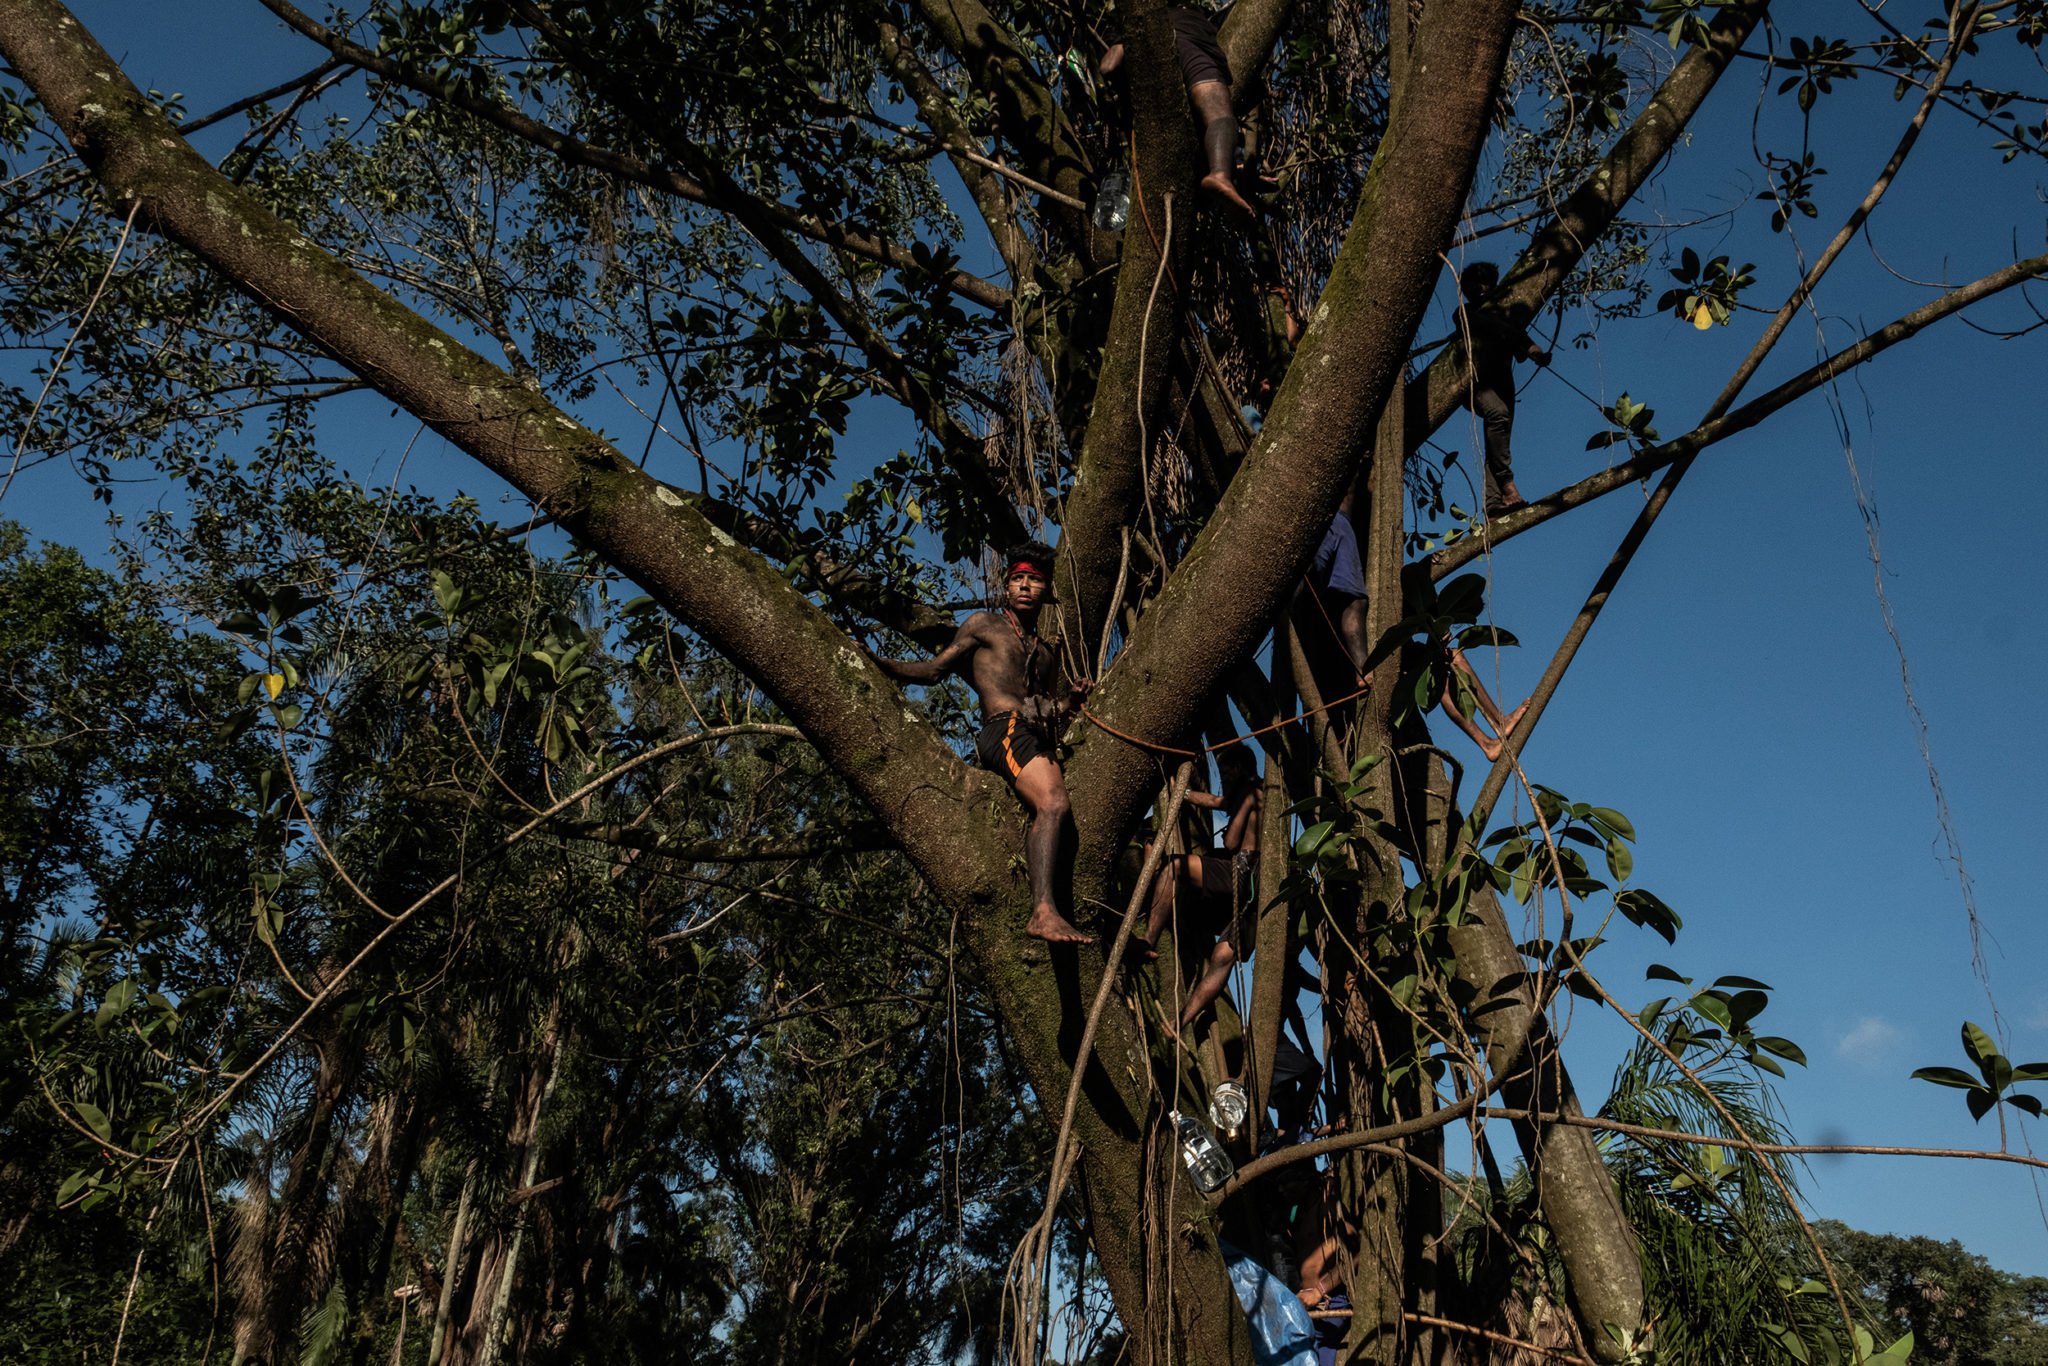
1336 564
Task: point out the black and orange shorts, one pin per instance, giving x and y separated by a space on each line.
1008 742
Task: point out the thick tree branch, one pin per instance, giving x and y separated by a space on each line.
1247 36
738 602
1246 562
1145 328
626 166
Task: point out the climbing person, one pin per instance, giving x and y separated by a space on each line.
1014 672
1338 578
1206 72
1214 889
1494 345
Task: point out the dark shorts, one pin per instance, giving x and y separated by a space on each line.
1008 742
1194 42
1231 917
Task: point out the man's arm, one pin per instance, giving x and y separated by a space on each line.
946 661
1235 834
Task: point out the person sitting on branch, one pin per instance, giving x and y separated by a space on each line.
1015 674
1207 73
1494 345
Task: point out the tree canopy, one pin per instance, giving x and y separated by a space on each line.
593 953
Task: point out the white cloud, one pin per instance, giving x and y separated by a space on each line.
1871 1043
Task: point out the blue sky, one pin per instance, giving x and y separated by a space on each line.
1740 700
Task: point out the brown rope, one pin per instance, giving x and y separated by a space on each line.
1225 744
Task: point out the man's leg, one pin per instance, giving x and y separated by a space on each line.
1351 626
1488 708
1497 413
1219 143
1044 789
1216 889
1177 876
1221 958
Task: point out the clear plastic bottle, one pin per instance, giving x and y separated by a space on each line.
1228 1108
1207 1163
1113 202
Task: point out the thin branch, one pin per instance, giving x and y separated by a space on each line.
578 152
1959 40
1451 557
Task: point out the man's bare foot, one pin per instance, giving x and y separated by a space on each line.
1224 187
1049 925
1490 748
1513 718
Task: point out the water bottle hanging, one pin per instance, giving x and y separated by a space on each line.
1113 200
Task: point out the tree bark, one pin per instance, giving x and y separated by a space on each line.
1602 1263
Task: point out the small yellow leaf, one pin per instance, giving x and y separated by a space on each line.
274 683
1703 317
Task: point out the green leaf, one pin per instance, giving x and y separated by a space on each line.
1980 1102
1714 1008
118 999
1614 821
1657 972
96 1118
1749 982
1979 1045
1312 839
1947 1076
1784 1048
2033 1071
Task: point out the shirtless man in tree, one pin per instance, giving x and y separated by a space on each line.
1015 674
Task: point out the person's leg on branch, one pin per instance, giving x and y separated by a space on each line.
1044 789
1496 411
1219 145
1177 876
1488 745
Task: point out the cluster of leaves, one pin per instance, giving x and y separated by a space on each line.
1996 1076
1707 293
1632 422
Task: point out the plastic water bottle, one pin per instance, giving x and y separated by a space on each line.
1229 1107
1207 1163
1113 202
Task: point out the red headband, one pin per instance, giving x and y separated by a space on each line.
1027 567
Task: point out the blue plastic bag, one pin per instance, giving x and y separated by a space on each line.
1282 1332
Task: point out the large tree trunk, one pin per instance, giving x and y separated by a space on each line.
954 825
